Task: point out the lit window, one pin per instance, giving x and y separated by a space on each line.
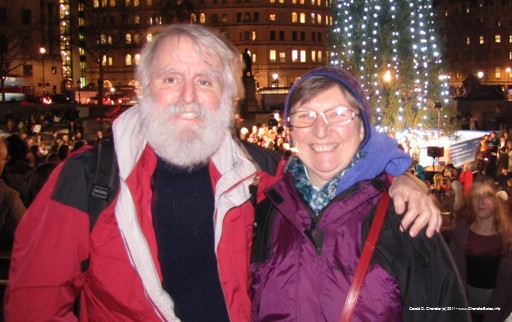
497 39
497 72
137 59
294 17
272 17
253 58
294 1
313 20
301 1
313 56
136 19
149 37
302 17
112 3
104 60
193 18
103 3
319 18
281 1
253 36
149 3
128 39
510 39
103 39
295 55
481 40
136 3
128 60
319 56
202 18
302 56
312 2
282 57
109 39
110 61
272 1
272 55
127 3
468 40
136 38
96 3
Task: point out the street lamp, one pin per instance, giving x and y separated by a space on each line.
438 107
480 74
79 84
42 51
508 79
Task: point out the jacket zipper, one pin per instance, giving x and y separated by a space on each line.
215 225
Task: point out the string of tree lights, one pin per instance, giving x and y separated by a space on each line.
394 48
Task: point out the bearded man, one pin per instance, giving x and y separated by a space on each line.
175 242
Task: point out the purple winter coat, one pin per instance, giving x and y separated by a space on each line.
302 269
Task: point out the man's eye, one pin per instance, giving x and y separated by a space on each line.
205 82
171 80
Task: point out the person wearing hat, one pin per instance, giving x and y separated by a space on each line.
312 226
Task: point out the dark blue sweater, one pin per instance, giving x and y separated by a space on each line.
183 206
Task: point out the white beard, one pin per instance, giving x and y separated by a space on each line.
185 146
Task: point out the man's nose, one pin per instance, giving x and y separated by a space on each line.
188 92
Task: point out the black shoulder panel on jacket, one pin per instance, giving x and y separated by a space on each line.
266 160
73 182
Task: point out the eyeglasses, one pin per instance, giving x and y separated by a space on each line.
335 116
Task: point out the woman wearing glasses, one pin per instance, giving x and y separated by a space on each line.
481 247
312 225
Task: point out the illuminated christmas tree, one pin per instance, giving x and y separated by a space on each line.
393 47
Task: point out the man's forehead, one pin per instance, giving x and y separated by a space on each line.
185 49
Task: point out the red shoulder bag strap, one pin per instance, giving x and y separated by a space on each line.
362 267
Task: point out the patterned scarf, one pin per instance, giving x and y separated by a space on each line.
316 198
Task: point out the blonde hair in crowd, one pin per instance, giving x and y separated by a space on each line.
501 211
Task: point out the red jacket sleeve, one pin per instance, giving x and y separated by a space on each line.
266 180
45 275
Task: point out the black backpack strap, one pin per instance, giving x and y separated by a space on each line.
104 179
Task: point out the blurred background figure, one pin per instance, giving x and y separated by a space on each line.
481 247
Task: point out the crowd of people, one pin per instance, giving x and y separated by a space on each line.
32 148
202 228
476 207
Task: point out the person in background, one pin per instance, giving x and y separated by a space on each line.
481 247
502 172
466 178
453 176
11 206
312 224
484 159
175 243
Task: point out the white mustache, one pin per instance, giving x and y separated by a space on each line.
180 109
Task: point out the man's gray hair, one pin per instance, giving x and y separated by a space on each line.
209 44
